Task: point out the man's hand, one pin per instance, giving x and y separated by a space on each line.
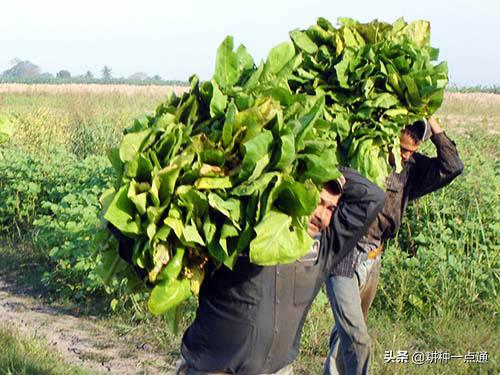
434 124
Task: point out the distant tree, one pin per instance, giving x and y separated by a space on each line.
106 72
22 69
139 76
46 75
156 77
88 75
63 74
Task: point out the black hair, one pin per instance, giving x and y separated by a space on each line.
416 131
334 186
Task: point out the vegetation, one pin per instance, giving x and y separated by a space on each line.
28 73
21 355
493 89
444 298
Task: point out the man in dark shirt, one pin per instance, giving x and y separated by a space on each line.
350 296
249 320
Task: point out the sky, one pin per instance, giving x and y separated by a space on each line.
176 39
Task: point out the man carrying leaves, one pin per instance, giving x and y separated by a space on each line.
351 297
249 320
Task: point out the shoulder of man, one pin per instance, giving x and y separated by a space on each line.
359 187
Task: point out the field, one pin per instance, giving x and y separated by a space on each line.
443 299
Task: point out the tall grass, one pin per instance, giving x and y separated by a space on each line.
79 88
81 123
28 355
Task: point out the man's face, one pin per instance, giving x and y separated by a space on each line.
407 146
320 218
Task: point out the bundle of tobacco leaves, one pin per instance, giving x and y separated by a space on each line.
236 163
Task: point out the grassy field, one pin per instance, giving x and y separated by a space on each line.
445 299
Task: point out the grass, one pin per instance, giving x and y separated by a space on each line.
466 113
28 355
82 123
458 336
15 259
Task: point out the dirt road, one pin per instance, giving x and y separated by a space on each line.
82 341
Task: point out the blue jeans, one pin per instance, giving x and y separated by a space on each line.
350 298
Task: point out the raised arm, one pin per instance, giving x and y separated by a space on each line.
430 174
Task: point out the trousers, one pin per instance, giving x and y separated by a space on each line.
185 368
350 299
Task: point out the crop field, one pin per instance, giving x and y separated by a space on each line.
440 282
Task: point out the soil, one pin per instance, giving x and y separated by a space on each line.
83 341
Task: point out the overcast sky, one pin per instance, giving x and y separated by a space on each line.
178 38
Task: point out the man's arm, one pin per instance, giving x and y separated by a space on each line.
360 203
126 249
430 174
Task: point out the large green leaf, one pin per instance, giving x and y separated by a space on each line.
278 241
257 156
279 57
251 187
191 236
418 32
195 202
297 199
137 198
229 124
286 151
219 101
303 41
114 158
139 168
174 220
168 295
131 144
121 213
227 70
231 208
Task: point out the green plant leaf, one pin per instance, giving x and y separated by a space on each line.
278 241
256 156
167 295
131 144
227 70
121 211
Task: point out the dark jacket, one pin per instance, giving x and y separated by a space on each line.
420 175
249 320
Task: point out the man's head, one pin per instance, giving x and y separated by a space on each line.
410 139
329 199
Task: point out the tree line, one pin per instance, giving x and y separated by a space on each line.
24 71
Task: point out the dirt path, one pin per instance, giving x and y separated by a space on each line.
82 341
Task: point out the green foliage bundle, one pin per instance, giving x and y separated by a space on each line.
237 163
196 182
376 79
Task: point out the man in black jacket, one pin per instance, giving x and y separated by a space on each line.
249 320
351 297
